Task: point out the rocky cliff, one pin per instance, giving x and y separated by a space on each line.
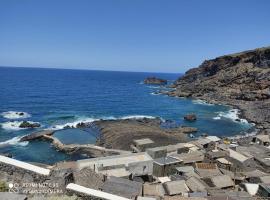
241 80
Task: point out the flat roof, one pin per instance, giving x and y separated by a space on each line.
95 193
24 165
166 161
237 156
143 141
114 160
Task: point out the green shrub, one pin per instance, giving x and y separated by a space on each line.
3 187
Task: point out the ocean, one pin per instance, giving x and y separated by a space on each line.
59 97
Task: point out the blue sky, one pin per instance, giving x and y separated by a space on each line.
128 35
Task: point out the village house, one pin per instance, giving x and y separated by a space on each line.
195 184
143 144
262 139
219 181
215 154
176 187
153 190
189 158
165 166
223 163
122 187
264 190
239 161
136 164
186 171
207 170
205 143
157 152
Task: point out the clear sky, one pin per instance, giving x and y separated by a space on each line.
129 35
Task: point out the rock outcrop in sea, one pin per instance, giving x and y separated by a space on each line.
241 80
154 80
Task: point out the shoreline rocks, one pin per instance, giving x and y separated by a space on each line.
155 81
114 132
239 80
27 124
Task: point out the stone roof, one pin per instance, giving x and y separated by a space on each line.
155 189
196 185
207 169
88 178
176 187
166 161
191 157
143 141
222 181
122 187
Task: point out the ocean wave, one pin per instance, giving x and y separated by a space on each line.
14 125
155 93
137 117
73 124
232 114
153 87
14 141
89 120
15 115
201 102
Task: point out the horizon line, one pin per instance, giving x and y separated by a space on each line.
87 69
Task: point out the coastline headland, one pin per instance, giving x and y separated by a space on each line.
240 80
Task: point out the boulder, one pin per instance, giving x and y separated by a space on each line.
190 117
154 80
26 124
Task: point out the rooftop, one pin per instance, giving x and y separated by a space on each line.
166 161
114 160
143 141
122 187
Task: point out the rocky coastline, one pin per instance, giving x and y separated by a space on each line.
240 80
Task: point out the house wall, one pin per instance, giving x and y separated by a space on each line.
141 168
161 170
157 154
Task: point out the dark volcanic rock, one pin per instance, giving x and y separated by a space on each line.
190 117
119 134
36 135
241 80
26 124
154 80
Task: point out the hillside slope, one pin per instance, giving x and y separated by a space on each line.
241 80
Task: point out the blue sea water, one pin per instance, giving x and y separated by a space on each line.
58 97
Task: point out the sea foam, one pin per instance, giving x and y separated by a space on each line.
89 120
14 141
15 115
14 125
201 102
232 114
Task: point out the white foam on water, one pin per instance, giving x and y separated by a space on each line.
89 120
137 117
14 125
232 114
73 124
154 93
201 102
15 115
153 87
14 141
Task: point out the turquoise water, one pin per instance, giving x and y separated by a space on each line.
75 136
56 98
